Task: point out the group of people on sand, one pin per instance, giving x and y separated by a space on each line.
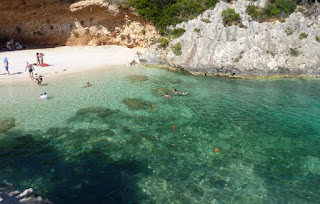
11 45
136 61
30 67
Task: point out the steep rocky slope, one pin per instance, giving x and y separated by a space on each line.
254 49
86 22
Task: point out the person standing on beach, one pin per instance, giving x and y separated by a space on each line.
30 68
6 65
38 59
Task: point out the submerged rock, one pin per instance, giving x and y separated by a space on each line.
136 103
6 124
93 113
84 111
137 78
174 81
16 197
161 91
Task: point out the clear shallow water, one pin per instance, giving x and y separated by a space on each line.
86 145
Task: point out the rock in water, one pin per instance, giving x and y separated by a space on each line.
137 78
6 124
15 197
136 103
161 91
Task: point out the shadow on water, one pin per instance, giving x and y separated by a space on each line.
90 176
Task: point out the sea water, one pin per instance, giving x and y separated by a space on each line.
104 144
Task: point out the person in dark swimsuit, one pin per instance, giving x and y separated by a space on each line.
38 60
39 80
30 68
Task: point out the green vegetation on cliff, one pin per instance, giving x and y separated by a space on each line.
275 9
230 17
170 12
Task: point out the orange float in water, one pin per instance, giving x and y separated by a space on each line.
174 127
216 149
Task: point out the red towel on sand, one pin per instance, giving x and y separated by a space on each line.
44 65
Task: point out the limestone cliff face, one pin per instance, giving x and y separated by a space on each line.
86 22
255 49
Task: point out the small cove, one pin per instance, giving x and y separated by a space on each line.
103 144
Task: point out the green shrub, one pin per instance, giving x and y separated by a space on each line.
176 33
294 52
286 6
318 38
253 11
197 30
210 3
205 20
303 35
288 31
122 36
170 12
282 20
176 49
163 42
272 10
275 8
230 17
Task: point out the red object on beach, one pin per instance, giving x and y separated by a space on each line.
216 149
44 65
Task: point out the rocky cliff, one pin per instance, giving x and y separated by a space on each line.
290 47
59 22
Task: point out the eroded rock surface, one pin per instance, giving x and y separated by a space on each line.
86 22
254 49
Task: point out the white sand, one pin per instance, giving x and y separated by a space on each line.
64 60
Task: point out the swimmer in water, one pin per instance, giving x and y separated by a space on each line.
176 92
87 84
166 96
43 96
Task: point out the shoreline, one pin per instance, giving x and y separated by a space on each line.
175 69
64 60
74 59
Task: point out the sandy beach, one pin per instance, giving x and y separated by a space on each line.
64 60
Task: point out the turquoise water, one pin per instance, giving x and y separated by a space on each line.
103 144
